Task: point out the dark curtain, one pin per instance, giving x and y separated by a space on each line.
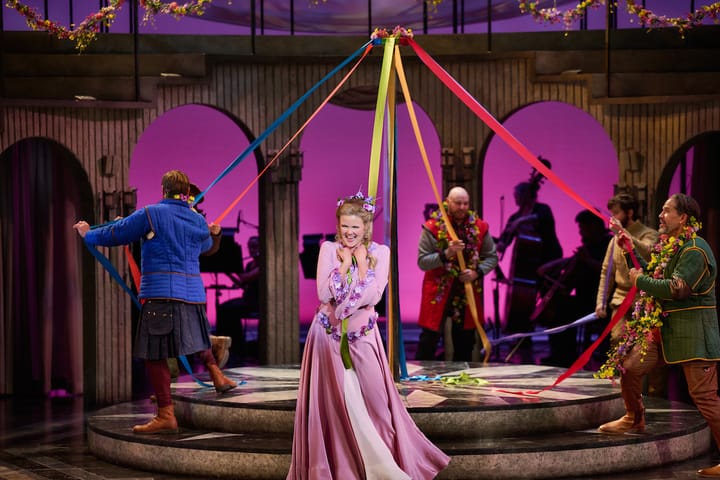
705 167
40 285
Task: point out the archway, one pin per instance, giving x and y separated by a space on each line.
336 165
581 153
202 141
688 171
44 190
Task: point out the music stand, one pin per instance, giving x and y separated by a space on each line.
228 259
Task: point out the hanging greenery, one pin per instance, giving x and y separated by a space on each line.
646 17
84 33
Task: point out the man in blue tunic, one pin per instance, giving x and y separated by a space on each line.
173 320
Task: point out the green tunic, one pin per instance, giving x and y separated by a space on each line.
690 330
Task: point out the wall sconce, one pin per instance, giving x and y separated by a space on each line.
296 159
447 158
106 164
109 205
129 202
468 156
632 160
636 161
287 168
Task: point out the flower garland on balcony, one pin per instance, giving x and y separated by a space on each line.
646 17
84 33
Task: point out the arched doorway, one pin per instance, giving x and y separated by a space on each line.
690 170
43 191
337 165
582 155
203 141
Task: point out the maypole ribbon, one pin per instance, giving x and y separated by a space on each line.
469 294
497 127
584 358
255 143
374 165
519 148
389 44
389 185
232 205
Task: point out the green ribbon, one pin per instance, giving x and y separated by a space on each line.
463 379
345 346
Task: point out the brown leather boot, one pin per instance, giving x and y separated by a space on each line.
710 472
221 382
164 422
629 423
221 349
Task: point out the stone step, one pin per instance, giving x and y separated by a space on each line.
247 433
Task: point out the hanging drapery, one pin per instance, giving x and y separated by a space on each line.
40 299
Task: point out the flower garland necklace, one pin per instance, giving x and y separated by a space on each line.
647 314
469 232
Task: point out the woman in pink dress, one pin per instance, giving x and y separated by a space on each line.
350 421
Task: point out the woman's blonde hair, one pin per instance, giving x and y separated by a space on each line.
362 208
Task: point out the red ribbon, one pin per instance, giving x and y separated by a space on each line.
521 150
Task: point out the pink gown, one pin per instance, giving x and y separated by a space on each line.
352 423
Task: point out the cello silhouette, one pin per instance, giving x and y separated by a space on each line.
526 258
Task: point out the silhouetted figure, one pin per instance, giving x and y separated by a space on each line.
570 288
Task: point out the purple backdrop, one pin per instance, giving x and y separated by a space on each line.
336 146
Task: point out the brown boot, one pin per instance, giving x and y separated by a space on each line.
629 423
164 422
221 382
710 472
221 349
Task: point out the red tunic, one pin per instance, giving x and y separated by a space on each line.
438 282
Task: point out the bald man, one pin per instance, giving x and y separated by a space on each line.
444 303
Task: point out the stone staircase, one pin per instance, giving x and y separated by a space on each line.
490 431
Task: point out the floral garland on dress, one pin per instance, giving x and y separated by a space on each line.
647 314
646 17
469 232
84 33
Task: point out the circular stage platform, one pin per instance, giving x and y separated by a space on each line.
493 430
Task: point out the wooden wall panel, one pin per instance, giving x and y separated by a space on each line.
257 94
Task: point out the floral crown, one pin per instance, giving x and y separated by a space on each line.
368 202
398 32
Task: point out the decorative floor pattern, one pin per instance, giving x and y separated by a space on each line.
43 438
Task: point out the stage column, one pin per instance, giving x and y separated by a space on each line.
279 327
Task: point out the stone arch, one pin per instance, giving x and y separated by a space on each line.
413 188
688 170
204 140
49 343
593 178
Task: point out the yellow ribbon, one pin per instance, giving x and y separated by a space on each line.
469 294
389 44
390 165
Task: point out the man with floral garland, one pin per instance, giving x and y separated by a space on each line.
443 291
675 315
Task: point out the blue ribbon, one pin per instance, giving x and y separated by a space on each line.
105 262
255 143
